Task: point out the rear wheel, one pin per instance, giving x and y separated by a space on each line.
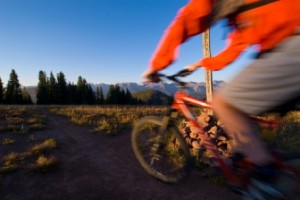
164 156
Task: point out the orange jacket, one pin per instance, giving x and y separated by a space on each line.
265 26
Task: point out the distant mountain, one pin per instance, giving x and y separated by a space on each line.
195 89
153 97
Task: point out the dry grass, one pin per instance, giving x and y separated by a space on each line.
288 135
22 143
20 119
7 141
107 119
42 147
10 163
45 164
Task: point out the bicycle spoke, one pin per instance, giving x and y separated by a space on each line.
161 154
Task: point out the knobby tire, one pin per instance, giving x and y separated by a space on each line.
164 156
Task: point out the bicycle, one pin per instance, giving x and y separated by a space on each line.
164 154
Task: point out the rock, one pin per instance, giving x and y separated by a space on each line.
194 135
203 120
222 138
219 123
212 136
187 130
213 129
196 145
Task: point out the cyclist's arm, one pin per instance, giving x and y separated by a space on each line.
236 45
190 20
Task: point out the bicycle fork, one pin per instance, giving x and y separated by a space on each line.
155 156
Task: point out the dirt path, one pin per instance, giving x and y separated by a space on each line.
98 167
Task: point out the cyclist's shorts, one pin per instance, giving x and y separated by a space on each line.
269 81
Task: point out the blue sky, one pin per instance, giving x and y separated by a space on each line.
104 41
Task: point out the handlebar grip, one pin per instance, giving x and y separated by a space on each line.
184 72
174 78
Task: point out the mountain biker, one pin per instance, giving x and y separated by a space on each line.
272 78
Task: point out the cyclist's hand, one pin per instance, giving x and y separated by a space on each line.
151 76
192 67
184 72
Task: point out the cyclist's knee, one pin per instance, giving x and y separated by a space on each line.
219 102
221 105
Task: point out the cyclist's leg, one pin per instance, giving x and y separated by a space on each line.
268 82
241 129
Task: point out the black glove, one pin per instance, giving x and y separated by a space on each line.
152 77
184 72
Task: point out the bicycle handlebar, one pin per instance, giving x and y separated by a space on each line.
181 73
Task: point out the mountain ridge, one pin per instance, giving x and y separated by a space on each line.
153 97
195 89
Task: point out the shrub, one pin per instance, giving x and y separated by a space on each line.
44 164
10 163
47 144
8 141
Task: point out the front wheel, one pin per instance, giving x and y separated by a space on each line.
163 155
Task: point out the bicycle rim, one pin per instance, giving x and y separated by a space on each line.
164 156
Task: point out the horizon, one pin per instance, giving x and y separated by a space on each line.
138 83
98 40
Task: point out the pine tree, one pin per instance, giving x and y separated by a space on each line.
102 99
99 95
26 98
52 89
1 91
119 97
110 97
90 95
42 95
61 94
72 94
128 97
13 92
86 94
81 88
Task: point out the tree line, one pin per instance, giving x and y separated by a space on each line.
13 93
56 90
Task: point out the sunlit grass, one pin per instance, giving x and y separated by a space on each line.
107 119
26 152
7 141
288 135
36 122
20 119
10 163
45 164
40 148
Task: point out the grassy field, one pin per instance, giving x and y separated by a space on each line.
112 119
107 119
22 145
288 134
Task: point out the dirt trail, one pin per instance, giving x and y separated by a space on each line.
98 167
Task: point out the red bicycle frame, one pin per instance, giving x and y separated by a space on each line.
181 102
